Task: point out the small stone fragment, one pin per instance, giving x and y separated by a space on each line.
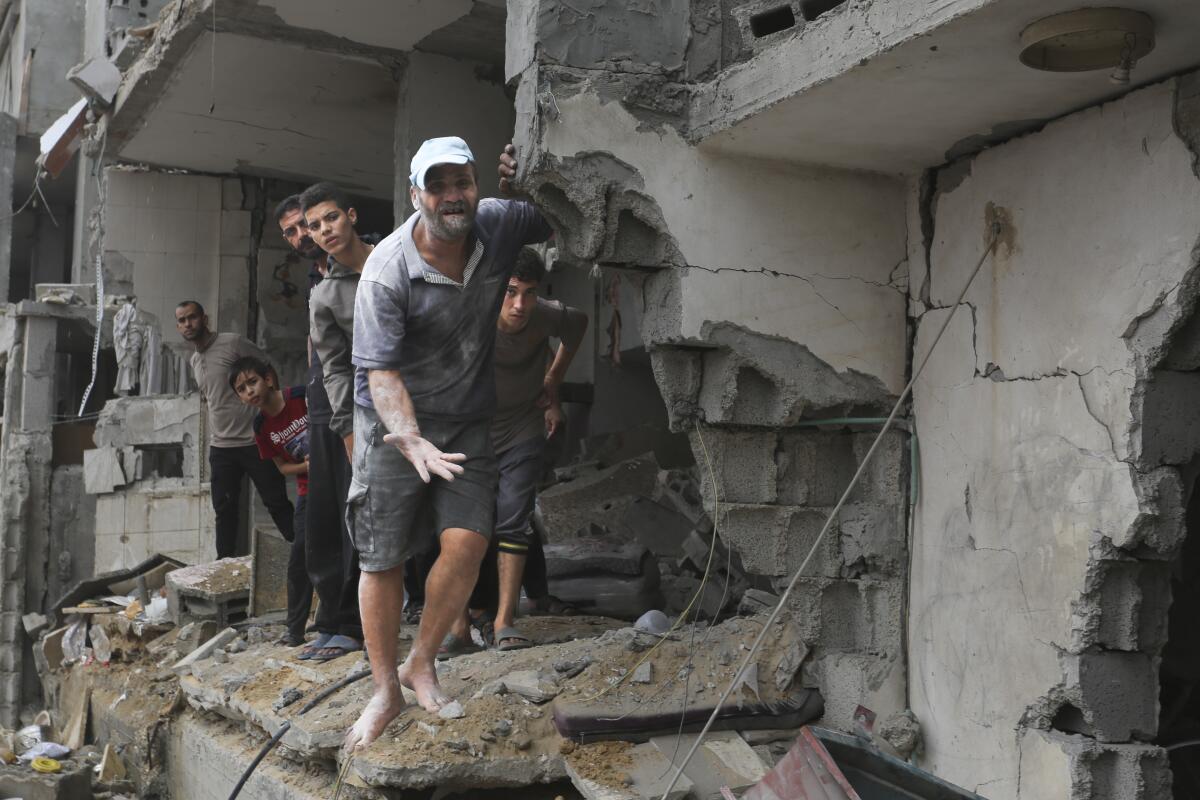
643 673
425 727
521 742
457 745
724 658
288 696
502 727
452 710
487 736
566 747
236 646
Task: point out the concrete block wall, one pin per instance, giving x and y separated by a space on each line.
1051 445
172 516
772 294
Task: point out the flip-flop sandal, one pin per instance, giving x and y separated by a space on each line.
288 640
551 606
486 626
511 639
313 646
455 646
341 644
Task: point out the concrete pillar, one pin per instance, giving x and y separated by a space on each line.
24 502
8 157
440 96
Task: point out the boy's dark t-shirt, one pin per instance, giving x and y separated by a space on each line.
285 435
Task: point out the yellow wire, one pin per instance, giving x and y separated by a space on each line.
703 580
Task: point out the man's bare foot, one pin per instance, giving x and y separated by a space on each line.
424 684
384 707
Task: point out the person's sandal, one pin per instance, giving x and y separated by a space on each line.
313 646
338 646
456 646
511 639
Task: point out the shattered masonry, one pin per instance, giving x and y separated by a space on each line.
770 223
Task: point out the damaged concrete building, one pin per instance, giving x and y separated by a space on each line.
768 208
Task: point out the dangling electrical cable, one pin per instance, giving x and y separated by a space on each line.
891 418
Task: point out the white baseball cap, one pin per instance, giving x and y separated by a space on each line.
442 150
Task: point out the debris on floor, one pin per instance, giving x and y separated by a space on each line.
826 765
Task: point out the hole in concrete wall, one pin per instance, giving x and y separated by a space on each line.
161 460
811 9
1069 719
772 21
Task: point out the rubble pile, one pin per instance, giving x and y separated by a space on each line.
629 537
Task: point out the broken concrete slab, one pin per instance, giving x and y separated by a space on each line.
723 759
596 497
219 590
102 470
613 554
644 774
533 685
98 78
205 650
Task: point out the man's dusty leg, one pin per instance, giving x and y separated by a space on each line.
511 568
380 597
446 593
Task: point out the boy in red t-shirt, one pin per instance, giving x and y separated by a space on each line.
281 433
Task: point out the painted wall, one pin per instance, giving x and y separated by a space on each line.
1032 475
165 231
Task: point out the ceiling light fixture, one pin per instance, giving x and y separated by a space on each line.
1089 39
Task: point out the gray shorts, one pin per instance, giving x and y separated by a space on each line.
392 514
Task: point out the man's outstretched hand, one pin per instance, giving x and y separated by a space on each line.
427 459
508 170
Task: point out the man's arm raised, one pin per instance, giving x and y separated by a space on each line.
395 408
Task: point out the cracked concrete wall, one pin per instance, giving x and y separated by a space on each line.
152 514
1046 515
772 294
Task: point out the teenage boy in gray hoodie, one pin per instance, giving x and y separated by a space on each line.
330 220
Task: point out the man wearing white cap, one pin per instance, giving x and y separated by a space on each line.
424 335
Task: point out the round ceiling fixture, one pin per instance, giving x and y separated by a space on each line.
1088 39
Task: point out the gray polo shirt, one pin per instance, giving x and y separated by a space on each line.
438 334
230 421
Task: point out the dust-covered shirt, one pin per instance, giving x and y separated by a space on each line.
230 421
438 334
521 362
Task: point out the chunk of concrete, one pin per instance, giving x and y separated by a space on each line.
723 759
184 665
531 684
648 778
97 78
35 623
102 470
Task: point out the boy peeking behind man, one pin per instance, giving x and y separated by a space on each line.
281 433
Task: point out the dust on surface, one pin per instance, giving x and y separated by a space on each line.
606 763
216 578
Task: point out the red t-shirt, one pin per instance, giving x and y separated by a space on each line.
285 435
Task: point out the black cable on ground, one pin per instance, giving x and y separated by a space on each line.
287 726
